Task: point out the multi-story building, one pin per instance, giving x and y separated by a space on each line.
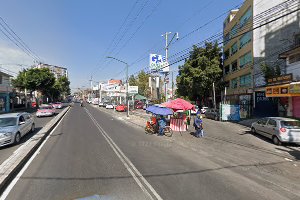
256 34
57 71
238 56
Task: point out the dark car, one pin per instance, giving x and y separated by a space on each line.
212 114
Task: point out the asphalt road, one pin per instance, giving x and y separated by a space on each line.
7 151
90 152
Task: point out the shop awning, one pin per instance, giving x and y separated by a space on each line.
285 90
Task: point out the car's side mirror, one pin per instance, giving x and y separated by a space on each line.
22 123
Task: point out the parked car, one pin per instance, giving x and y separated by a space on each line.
101 104
14 126
139 105
121 108
109 106
212 114
203 110
95 101
58 105
45 110
279 129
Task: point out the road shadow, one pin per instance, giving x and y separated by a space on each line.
293 152
194 172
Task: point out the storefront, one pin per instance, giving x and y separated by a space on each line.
4 102
289 97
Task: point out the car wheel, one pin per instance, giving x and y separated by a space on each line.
32 128
17 138
253 131
275 140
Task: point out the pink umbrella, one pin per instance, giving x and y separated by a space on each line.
179 104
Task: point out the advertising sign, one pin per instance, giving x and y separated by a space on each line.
157 62
133 89
230 112
287 78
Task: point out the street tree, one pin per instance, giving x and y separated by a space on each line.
199 72
34 79
269 71
63 84
143 82
132 80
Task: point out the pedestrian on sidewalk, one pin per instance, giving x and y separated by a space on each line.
198 124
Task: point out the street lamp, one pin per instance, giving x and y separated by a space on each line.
127 102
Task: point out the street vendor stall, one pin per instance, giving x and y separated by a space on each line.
157 112
179 121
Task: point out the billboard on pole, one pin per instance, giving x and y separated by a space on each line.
133 89
158 63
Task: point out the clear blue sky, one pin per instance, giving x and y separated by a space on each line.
77 33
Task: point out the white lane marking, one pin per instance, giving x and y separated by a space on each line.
15 180
125 160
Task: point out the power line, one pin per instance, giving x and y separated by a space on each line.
183 57
13 37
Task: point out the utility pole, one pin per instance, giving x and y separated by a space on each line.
214 95
172 85
166 49
127 85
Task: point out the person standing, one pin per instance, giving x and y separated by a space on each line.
198 123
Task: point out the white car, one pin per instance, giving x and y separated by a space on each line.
14 126
109 106
194 112
203 110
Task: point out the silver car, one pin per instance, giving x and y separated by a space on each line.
14 126
279 129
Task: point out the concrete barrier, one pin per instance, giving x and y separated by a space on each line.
10 167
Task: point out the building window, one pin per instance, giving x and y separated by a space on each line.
245 59
234 66
234 48
245 39
297 40
245 80
1 77
227 69
226 39
226 54
233 31
245 18
234 83
294 58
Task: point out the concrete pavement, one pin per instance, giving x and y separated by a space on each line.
77 161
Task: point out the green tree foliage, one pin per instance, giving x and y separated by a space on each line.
132 80
199 71
64 86
143 82
270 72
42 80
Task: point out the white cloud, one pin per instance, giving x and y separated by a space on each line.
11 57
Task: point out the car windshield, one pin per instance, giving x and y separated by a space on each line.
10 121
291 124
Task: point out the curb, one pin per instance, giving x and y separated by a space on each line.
11 167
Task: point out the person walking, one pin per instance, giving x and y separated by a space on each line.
198 123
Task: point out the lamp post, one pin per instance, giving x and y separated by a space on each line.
127 102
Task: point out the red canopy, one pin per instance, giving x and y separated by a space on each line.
179 104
